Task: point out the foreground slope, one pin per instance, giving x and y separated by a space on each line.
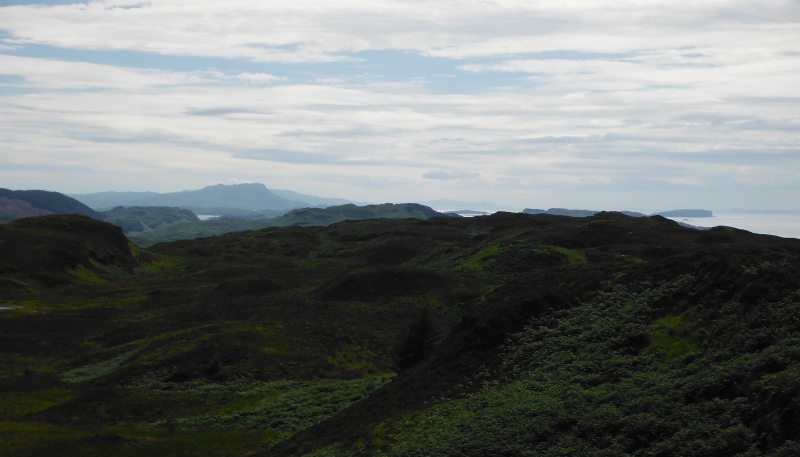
509 334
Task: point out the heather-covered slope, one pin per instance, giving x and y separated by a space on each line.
509 334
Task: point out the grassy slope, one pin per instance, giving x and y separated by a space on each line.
600 336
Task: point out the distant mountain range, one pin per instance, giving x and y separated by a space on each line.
212 199
150 217
252 197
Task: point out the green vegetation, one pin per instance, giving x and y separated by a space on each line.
675 337
509 334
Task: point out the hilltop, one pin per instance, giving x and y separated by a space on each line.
499 335
212 199
26 203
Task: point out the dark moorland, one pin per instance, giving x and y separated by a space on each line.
502 335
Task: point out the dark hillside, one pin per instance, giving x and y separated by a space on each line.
54 202
510 334
56 249
11 209
721 301
303 217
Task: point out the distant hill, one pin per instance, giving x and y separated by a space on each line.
575 212
218 199
11 209
588 213
685 213
242 196
40 202
334 214
312 200
304 217
106 200
143 219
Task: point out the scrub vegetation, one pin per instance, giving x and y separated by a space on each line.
510 334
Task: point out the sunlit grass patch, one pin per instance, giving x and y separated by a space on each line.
356 358
15 404
631 259
575 256
160 264
674 337
86 275
483 258
300 405
33 438
774 380
97 370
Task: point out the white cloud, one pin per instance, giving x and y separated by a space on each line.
447 175
56 74
597 98
259 77
315 30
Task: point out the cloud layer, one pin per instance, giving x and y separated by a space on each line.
635 105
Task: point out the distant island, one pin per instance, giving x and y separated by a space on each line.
685 213
576 212
589 213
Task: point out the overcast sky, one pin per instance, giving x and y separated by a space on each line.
640 105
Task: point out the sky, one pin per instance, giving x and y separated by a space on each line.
640 105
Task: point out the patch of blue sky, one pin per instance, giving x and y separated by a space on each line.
142 60
437 75
11 79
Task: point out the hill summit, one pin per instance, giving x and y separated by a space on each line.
24 203
253 196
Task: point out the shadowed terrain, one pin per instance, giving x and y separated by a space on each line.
510 334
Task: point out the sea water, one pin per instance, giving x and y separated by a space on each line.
780 223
